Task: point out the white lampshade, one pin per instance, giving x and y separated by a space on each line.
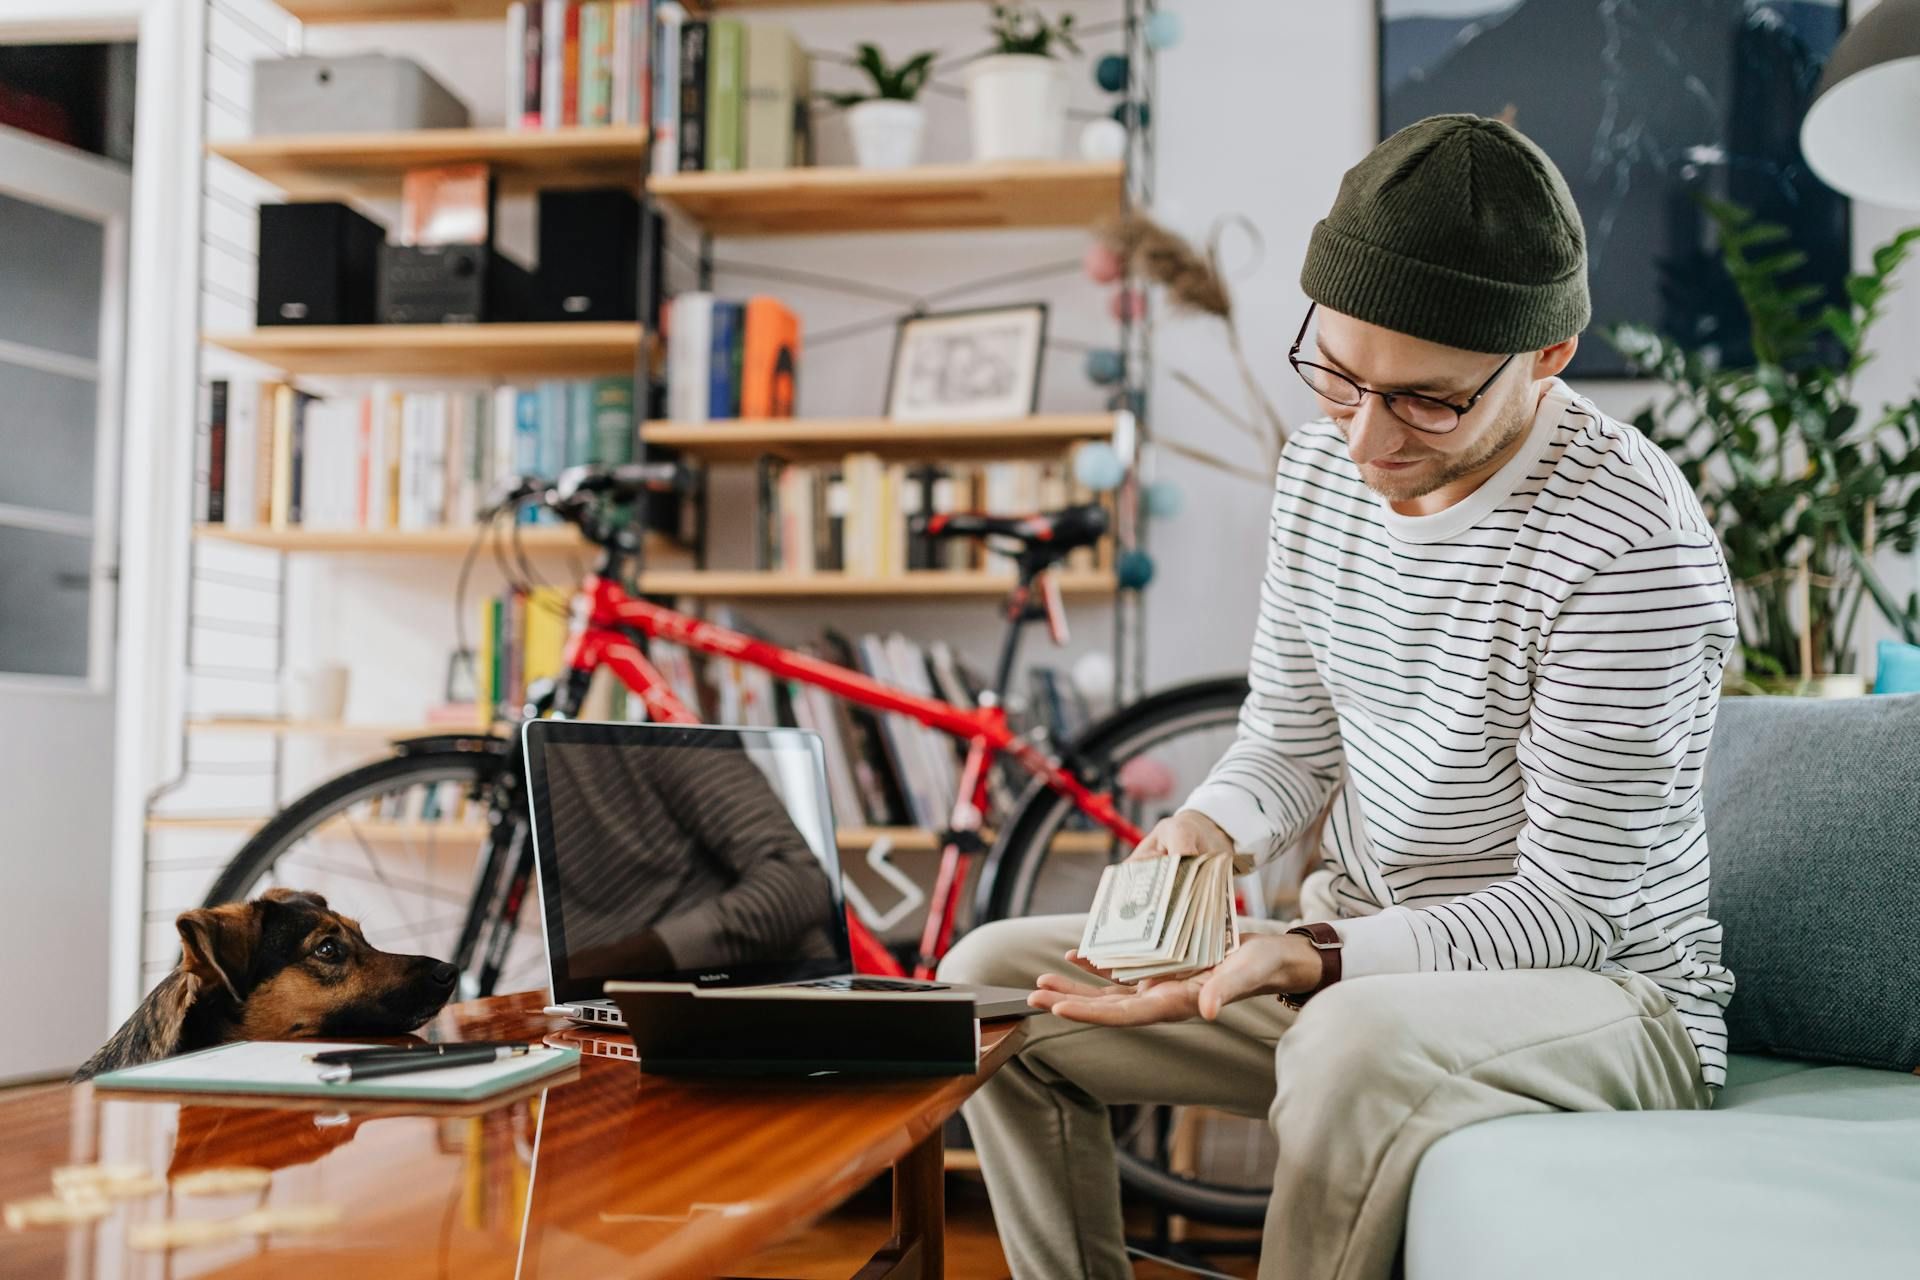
1862 133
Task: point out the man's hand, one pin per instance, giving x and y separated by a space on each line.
1263 964
1184 834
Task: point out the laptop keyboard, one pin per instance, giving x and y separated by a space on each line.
869 984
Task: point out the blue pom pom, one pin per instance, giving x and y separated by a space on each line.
1134 115
1098 467
1163 31
1110 73
1104 366
1163 498
1135 570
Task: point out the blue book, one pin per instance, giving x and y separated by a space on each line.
723 368
579 450
526 442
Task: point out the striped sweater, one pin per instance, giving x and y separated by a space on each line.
1503 709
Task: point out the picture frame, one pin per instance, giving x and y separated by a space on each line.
1594 87
978 365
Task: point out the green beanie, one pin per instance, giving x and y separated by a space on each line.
1458 230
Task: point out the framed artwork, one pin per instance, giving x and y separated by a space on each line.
968 366
1642 104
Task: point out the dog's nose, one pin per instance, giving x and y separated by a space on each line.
443 974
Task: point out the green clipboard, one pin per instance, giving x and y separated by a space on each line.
283 1068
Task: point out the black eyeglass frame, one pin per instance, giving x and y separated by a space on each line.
1459 410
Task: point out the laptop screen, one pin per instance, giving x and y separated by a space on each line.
681 853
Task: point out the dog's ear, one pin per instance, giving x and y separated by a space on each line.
216 944
299 897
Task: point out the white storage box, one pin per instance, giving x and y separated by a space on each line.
358 93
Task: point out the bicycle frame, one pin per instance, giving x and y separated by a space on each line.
607 621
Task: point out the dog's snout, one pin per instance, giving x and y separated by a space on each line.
443 974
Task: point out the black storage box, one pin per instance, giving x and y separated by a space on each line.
589 255
319 263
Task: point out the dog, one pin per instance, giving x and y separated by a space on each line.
282 966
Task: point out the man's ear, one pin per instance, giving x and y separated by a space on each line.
216 944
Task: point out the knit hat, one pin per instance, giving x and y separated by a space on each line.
1459 230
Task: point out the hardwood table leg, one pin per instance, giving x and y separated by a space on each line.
918 1249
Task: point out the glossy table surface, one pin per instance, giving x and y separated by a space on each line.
603 1172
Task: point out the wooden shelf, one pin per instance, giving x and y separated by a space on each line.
824 439
336 11
389 541
323 728
556 350
927 198
934 583
920 840
370 165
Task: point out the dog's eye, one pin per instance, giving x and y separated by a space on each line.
329 949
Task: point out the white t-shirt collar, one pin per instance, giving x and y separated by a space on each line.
1499 486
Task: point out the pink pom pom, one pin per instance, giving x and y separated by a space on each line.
1127 304
1146 779
1102 264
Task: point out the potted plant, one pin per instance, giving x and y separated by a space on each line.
887 123
1017 94
1802 484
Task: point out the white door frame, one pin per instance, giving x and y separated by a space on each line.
156 454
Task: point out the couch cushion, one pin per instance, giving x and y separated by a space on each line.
1798 1171
1812 812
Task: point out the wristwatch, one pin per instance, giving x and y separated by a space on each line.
1326 940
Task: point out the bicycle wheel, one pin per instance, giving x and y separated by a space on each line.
404 846
1193 1161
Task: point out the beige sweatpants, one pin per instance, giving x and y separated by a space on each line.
1356 1087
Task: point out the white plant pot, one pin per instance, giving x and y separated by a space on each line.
1019 107
887 132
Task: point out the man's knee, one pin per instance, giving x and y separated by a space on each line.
1003 953
1353 1041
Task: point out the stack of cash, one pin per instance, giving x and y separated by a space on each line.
1162 917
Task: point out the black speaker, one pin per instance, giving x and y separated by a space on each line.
589 255
319 263
453 284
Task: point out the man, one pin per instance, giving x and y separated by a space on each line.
1489 648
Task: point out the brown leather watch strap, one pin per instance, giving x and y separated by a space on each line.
1326 940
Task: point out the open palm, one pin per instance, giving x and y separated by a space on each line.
1258 966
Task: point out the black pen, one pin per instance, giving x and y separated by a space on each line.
334 1057
404 1064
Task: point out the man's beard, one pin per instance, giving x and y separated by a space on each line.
1440 469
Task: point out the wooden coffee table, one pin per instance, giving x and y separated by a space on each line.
604 1172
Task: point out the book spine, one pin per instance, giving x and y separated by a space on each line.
725 71
621 71
640 55
721 379
363 465
664 136
612 420
596 66
579 402
693 95
570 68
553 52
297 461
516 63
217 451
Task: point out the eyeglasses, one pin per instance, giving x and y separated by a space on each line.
1423 413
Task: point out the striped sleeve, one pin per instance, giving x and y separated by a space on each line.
1611 761
1286 755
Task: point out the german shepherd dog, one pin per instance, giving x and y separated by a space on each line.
282 966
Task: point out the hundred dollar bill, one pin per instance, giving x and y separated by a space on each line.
1129 907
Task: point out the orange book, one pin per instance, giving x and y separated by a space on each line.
770 360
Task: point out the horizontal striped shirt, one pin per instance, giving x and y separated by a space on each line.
1502 711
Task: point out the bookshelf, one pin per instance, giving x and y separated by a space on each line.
720 584
551 350
447 541
948 197
337 11
370 165
828 439
320 728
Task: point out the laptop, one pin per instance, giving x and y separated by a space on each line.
697 855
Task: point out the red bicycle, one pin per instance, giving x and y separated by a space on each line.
430 848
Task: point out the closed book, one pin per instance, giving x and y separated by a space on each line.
596 63
620 75
773 84
726 68
523 64
770 359
553 56
830 523
639 61
664 58
693 95
365 466
612 406
217 451
723 367
297 460
243 427
570 68
880 784
578 399
689 351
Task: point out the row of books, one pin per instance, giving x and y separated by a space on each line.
275 456
728 359
728 95
882 770
854 515
578 64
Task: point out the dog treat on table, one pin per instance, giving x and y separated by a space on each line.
56 1211
222 1182
293 1217
180 1233
114 1181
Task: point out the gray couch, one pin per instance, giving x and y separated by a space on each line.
1809 1164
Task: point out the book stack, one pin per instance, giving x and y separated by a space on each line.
578 65
853 516
277 457
521 637
728 95
730 359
